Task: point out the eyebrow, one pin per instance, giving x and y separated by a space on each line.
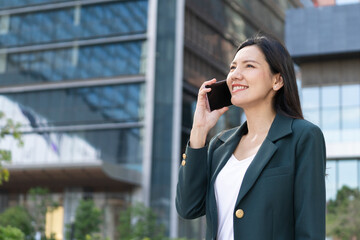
245 61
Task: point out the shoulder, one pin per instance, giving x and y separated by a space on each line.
307 133
302 126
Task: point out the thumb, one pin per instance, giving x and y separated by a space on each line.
221 111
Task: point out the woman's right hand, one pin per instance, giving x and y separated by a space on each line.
204 119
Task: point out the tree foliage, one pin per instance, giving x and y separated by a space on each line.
138 222
11 233
7 127
343 214
87 220
17 217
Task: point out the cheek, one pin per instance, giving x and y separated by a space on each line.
228 81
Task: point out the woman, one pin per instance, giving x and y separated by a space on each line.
265 179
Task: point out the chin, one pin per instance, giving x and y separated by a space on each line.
236 102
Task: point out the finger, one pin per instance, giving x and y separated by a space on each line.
206 83
202 96
204 91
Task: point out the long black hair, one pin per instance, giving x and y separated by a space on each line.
286 100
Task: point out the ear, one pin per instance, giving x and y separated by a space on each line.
278 82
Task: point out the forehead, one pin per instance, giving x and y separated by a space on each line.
252 52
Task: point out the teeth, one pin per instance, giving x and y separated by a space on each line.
239 87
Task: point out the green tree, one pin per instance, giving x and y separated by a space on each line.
343 215
8 128
17 217
11 233
87 221
40 202
138 222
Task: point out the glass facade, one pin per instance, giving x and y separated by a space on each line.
336 110
107 60
74 23
76 106
22 3
73 73
341 172
162 140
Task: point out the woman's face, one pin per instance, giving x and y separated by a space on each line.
250 79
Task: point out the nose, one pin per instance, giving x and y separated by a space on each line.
235 74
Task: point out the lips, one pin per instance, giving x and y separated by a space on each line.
238 87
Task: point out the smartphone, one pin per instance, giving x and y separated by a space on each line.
219 96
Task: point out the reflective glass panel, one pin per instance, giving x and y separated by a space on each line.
350 117
22 3
236 24
332 136
330 180
98 61
330 96
348 174
312 116
330 124
330 119
268 18
120 146
350 95
79 22
92 105
310 97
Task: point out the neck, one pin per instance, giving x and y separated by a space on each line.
259 120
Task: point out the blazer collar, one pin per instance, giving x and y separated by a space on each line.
280 127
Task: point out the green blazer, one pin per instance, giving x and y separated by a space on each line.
282 196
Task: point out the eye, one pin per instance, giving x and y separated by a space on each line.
249 66
232 67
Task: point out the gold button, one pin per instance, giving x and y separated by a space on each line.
184 156
183 162
239 213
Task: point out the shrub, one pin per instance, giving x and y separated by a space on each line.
17 217
11 233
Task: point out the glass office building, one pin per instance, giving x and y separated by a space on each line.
329 62
105 91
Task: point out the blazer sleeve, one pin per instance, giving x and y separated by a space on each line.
309 189
192 184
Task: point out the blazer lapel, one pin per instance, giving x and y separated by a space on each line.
220 157
263 156
222 154
280 127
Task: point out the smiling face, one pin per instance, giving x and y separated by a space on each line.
250 80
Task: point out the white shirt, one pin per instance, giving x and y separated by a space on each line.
227 187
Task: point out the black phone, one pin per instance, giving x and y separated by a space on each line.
219 96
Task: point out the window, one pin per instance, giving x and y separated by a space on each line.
330 180
88 21
91 105
341 172
311 104
108 60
